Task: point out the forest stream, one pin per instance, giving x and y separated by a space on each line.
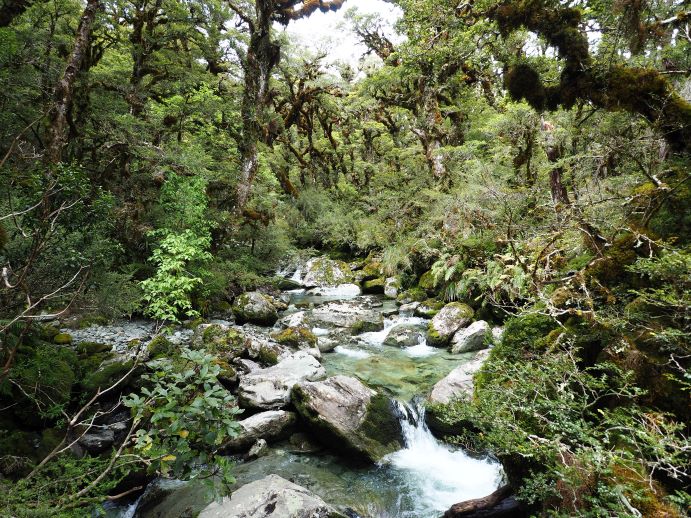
422 480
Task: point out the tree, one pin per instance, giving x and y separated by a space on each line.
263 53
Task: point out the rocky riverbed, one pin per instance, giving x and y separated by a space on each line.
333 384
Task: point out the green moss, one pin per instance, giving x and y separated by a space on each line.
298 337
429 308
62 339
89 348
374 285
426 282
415 294
267 356
523 335
48 332
381 427
105 376
371 270
159 347
92 320
366 326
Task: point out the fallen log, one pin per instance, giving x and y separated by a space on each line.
500 504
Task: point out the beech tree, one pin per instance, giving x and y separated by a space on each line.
259 59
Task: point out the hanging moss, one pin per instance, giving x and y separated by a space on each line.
523 82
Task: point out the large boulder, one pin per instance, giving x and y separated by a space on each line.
255 308
226 342
459 382
269 389
472 338
270 425
347 314
347 415
450 319
404 335
322 271
271 497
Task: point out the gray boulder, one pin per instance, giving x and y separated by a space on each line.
271 497
450 319
472 338
97 441
255 308
404 335
459 381
347 415
270 425
269 389
322 271
348 315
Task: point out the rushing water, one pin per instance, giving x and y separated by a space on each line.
421 480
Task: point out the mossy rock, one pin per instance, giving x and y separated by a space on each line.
106 375
160 347
62 339
323 271
91 348
92 320
426 282
255 308
228 376
450 319
429 308
228 343
297 337
18 453
371 270
413 295
374 286
366 326
48 331
267 356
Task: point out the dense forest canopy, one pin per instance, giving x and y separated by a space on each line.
530 159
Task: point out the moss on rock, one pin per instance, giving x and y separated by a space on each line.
374 286
62 339
297 337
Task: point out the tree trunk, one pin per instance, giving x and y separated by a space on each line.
498 504
262 56
64 90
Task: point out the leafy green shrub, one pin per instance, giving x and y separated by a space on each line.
186 415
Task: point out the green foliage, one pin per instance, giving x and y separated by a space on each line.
188 416
182 251
550 423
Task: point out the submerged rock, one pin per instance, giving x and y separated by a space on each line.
273 497
322 271
269 389
472 338
255 308
450 319
271 425
347 415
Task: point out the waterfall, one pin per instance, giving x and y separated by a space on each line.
443 475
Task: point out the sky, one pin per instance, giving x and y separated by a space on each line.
328 30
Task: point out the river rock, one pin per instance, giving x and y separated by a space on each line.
258 449
270 425
450 319
459 381
472 338
347 314
404 335
347 415
97 441
269 389
296 337
391 287
256 308
408 309
271 497
322 271
297 319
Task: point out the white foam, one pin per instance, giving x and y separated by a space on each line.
421 349
353 353
442 475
